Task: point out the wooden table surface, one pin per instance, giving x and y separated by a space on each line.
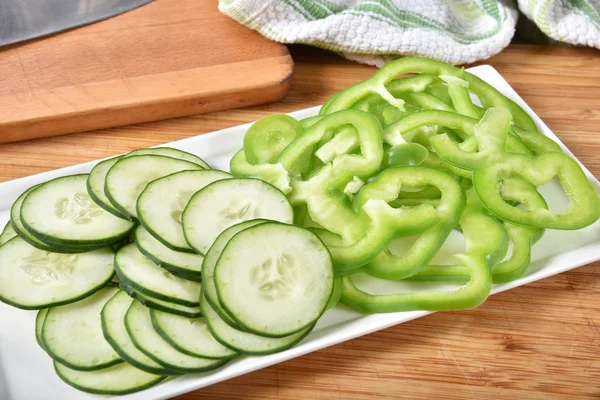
537 341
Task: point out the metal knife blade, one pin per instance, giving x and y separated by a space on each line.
27 19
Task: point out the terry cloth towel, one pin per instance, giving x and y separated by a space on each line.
377 31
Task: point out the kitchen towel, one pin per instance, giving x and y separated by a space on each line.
377 31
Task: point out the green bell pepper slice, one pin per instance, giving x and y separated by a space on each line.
322 190
492 164
384 79
380 223
521 237
310 121
275 174
267 137
536 142
484 236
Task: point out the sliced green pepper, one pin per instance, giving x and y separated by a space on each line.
521 237
382 80
275 174
492 164
379 223
322 191
310 121
268 136
484 236
536 142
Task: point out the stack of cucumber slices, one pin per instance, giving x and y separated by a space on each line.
154 265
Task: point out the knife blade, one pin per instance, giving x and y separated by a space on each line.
22 20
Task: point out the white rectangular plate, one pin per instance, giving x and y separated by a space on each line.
26 371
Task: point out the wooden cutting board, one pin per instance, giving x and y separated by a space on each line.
167 59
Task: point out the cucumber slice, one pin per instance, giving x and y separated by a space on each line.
115 333
210 261
7 233
130 175
170 152
161 305
138 271
183 265
228 202
39 323
160 205
118 379
72 334
143 335
17 225
244 342
31 278
61 212
95 186
189 336
274 279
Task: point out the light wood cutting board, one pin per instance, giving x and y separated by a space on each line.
167 59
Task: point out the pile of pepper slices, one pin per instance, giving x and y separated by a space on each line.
407 155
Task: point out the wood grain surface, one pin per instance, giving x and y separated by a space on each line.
539 341
169 58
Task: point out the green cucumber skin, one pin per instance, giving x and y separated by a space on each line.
110 392
53 249
68 243
172 367
148 303
118 207
78 368
227 319
60 243
39 319
162 334
58 303
157 236
125 356
100 204
131 361
256 353
183 273
124 280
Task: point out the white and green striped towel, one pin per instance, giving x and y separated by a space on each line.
376 31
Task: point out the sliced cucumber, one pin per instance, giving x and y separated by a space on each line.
61 212
31 278
160 205
17 225
138 271
72 334
228 202
95 186
161 305
189 336
143 335
118 379
274 279
244 342
7 233
336 295
170 152
210 261
130 175
39 323
115 333
183 265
